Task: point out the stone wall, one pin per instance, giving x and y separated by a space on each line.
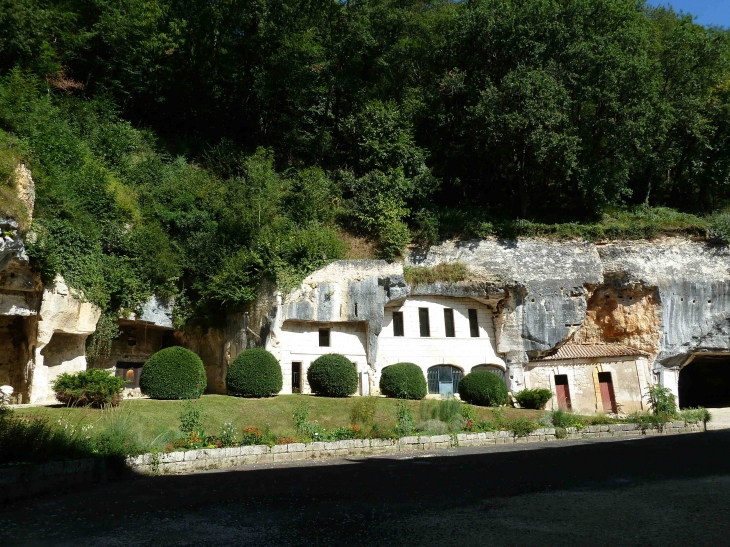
172 463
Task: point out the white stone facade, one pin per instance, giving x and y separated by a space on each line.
462 350
300 343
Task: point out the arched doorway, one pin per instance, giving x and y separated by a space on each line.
494 369
444 380
705 381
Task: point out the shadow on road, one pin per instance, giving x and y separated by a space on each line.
347 498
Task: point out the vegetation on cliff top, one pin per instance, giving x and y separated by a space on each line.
190 149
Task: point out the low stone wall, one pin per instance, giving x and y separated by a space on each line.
23 481
171 463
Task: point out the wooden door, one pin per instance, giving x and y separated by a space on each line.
562 391
608 397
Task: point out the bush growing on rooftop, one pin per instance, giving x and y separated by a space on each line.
483 388
403 381
173 373
254 373
332 375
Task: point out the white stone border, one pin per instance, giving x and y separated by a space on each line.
172 463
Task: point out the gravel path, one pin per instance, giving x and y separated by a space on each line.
650 491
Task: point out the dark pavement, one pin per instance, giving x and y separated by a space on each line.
650 491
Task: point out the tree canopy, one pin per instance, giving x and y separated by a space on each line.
192 148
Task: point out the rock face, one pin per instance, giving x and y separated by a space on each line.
669 297
43 330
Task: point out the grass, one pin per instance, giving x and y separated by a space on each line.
448 273
156 422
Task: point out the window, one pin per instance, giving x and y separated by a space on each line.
423 322
473 324
449 322
296 377
397 323
324 337
129 372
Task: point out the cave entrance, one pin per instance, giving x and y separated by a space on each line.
705 381
14 355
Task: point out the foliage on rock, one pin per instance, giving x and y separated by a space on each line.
173 373
332 375
254 373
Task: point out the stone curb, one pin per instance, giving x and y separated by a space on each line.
179 462
23 481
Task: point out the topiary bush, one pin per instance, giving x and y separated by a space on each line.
332 375
404 381
483 388
173 373
94 387
533 398
254 373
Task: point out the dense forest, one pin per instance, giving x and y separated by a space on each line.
190 148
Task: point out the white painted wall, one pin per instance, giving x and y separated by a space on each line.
462 350
300 342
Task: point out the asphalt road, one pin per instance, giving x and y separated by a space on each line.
659 491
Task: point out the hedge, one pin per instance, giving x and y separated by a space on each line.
332 375
254 373
403 381
483 388
533 398
173 373
94 387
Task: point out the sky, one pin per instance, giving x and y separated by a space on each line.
708 12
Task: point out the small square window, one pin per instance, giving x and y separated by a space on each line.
324 338
398 323
423 322
449 323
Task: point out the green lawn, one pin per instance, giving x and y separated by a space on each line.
156 422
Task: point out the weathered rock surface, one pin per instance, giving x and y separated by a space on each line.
669 297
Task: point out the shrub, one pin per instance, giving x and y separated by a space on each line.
94 387
483 388
694 415
404 422
404 381
363 411
173 373
662 400
533 398
521 427
332 375
254 373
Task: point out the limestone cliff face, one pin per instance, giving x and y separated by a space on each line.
667 297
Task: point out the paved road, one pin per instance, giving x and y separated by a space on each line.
720 418
659 491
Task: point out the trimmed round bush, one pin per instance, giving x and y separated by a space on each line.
534 398
403 381
254 373
173 373
332 375
483 388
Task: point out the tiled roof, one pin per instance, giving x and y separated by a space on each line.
584 351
